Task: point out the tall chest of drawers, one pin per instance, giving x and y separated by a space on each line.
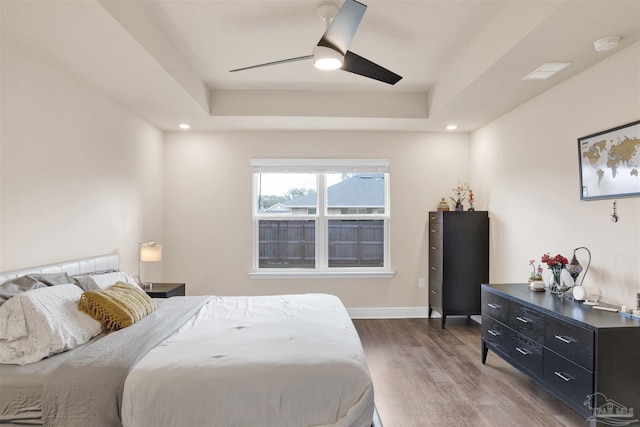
458 261
589 359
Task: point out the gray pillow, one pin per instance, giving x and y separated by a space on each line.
52 279
17 286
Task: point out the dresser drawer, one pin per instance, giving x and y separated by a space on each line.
435 267
527 352
495 306
496 334
435 217
526 321
435 231
569 380
435 247
571 341
435 293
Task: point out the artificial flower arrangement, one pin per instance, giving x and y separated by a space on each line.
460 193
556 264
471 199
536 273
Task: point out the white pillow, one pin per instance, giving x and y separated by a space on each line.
53 322
90 282
12 322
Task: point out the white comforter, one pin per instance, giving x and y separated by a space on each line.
255 361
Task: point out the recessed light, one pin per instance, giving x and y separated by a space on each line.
184 126
547 70
452 127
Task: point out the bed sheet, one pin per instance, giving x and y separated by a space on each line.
292 360
21 388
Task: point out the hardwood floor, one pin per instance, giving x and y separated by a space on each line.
426 376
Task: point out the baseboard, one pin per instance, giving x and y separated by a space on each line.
397 313
390 312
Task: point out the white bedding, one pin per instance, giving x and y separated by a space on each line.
255 361
43 322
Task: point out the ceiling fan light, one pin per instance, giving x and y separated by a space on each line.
327 63
326 58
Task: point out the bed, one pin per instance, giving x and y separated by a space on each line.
285 360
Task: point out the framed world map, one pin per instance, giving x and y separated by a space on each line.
610 163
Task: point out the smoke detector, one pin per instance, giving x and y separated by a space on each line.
606 43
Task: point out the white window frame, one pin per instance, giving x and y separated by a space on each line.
322 218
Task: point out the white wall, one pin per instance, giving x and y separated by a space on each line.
208 228
80 174
525 167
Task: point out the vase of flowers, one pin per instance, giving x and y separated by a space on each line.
556 264
460 193
471 200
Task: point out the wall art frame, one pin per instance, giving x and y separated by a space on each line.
609 163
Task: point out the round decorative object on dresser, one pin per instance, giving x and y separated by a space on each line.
579 293
443 205
537 285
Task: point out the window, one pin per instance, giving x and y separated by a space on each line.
321 217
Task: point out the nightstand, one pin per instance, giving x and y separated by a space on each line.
165 290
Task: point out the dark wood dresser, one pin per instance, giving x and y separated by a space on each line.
458 261
589 359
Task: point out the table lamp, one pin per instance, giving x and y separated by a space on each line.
148 252
574 268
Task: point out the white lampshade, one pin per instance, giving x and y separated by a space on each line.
150 251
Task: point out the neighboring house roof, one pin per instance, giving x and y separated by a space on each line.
360 190
277 208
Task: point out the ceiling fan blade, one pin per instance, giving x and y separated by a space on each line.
343 26
358 65
283 61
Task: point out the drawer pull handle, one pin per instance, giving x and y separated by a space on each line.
563 339
433 248
433 268
524 351
494 306
523 319
563 376
494 333
433 231
434 292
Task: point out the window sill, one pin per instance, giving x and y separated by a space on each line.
321 274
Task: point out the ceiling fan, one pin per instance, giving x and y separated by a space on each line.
331 51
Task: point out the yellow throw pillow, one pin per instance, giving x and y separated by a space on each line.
118 306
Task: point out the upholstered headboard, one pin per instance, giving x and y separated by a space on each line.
79 266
